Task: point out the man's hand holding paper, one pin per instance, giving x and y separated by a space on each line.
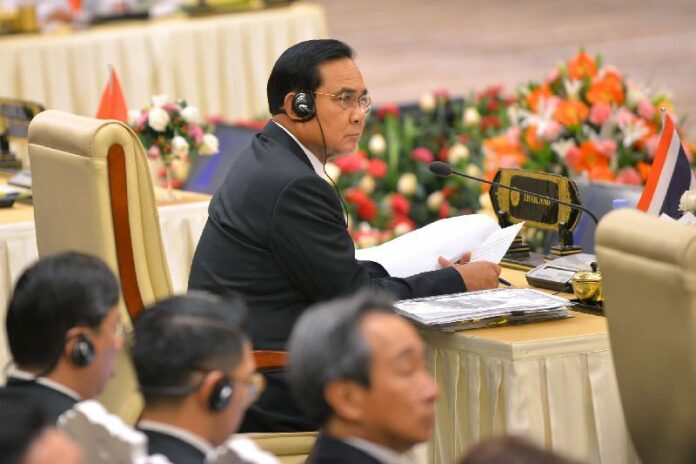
479 275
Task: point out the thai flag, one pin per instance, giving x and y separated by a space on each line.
670 175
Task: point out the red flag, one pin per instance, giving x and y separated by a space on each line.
75 5
113 103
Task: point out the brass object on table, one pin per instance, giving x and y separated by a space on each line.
587 286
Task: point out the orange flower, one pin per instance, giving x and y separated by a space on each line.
571 112
643 169
531 139
608 89
536 95
590 157
582 65
601 173
501 152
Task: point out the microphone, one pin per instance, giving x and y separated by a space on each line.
444 170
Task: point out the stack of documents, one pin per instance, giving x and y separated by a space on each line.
487 308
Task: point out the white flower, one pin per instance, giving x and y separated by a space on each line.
435 199
562 147
191 115
473 170
133 117
687 202
485 201
402 228
472 117
209 146
427 102
572 87
457 152
180 146
407 184
159 100
377 144
158 119
333 171
367 184
180 168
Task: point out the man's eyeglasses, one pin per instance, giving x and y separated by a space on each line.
255 384
349 100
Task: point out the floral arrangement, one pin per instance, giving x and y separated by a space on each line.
173 134
585 119
387 185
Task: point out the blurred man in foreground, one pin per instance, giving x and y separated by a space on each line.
359 370
197 374
64 331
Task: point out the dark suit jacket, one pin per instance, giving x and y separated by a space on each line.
53 402
176 450
276 234
328 450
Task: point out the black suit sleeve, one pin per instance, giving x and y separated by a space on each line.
312 247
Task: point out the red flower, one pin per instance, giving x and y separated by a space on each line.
441 93
350 163
463 138
402 220
388 108
493 91
492 105
355 196
444 210
400 205
377 168
423 155
367 210
447 191
442 155
490 122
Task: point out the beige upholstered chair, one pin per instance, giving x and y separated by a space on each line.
93 193
648 268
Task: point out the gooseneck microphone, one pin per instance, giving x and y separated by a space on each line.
444 170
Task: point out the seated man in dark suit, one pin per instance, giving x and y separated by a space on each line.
276 231
64 331
359 370
197 374
27 436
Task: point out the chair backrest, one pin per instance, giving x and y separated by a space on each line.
93 193
104 438
648 268
289 448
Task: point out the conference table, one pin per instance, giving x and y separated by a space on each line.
552 382
219 63
181 224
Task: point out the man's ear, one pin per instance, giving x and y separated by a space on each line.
205 391
346 399
288 109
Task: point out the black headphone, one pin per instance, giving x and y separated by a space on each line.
220 395
82 353
303 105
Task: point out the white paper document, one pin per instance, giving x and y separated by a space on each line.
484 308
497 244
418 251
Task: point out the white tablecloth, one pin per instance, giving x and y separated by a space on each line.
552 382
218 63
181 227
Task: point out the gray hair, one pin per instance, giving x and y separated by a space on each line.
326 345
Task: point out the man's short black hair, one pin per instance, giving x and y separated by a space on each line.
21 422
297 69
185 334
55 294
